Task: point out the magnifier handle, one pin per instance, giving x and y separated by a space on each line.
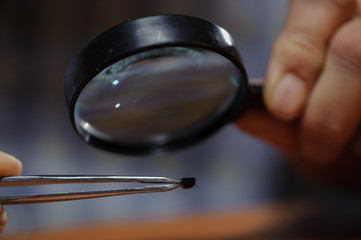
255 97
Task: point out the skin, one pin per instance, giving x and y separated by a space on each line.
9 166
313 92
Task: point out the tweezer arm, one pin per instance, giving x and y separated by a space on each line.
62 179
164 184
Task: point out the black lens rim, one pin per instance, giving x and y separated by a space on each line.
142 34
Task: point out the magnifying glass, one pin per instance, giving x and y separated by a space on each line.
156 84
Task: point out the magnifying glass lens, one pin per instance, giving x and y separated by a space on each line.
157 96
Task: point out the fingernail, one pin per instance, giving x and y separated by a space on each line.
289 97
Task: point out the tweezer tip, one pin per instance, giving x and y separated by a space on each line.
187 183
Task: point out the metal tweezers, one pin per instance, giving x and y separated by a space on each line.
159 184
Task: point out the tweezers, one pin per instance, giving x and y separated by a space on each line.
159 184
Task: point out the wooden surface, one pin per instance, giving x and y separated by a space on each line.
224 225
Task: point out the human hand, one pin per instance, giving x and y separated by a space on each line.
9 166
313 91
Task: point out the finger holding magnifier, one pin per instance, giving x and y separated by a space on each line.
312 91
314 75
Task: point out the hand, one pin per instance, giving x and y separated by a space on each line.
9 166
313 91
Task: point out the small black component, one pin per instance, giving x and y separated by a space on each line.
187 183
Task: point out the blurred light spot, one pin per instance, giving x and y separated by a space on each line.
115 82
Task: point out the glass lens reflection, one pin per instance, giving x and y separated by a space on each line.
156 96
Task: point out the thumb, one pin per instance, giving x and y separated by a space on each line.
298 54
9 165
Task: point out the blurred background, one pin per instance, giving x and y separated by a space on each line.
233 170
